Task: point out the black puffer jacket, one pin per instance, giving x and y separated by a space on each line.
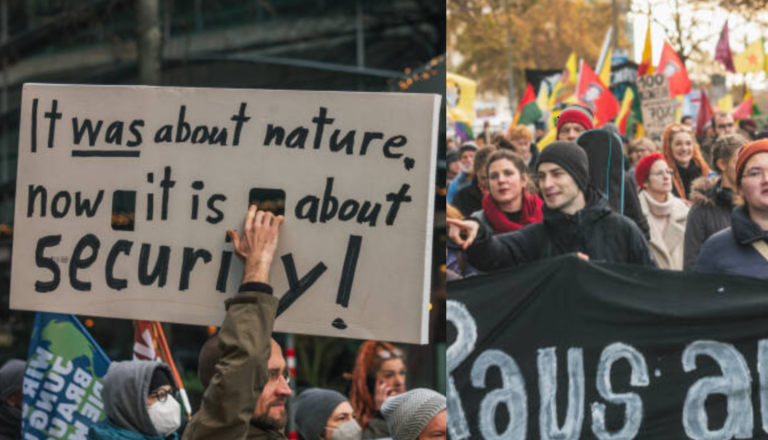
710 213
595 230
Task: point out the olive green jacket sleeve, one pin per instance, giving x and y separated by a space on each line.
241 373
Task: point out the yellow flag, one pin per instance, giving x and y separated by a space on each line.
460 97
646 65
605 72
752 59
726 103
640 132
548 138
543 99
565 87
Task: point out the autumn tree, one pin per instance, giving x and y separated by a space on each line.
543 33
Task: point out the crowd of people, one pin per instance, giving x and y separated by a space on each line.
682 203
246 379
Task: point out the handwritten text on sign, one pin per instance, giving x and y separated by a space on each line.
355 172
658 108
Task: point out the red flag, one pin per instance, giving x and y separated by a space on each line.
592 93
744 110
723 50
705 114
671 66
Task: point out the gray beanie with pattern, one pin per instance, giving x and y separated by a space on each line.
409 413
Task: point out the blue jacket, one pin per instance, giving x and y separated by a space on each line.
107 430
730 251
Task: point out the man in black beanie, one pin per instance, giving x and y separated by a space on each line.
577 219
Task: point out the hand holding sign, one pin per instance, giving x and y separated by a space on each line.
257 247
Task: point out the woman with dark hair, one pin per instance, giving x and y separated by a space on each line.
683 156
713 198
508 206
379 374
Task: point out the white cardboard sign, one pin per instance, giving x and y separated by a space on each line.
657 107
357 170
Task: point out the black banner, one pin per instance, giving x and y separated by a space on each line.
565 349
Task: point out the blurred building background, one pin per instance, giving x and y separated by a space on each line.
353 45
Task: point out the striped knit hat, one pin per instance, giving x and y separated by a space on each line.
409 413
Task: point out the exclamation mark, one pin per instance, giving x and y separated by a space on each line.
348 276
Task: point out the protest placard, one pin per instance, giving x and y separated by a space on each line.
657 107
353 173
573 350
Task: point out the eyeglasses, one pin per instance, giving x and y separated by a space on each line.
162 394
275 375
754 173
666 172
724 126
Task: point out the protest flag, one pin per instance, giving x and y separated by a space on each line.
646 65
723 50
528 111
63 380
725 103
592 93
565 87
671 66
744 110
463 131
460 98
603 66
705 114
625 111
150 345
752 59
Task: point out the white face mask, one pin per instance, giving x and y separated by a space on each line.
348 431
165 416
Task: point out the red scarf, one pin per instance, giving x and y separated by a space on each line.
530 212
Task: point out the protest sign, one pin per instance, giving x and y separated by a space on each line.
567 349
63 380
353 173
657 107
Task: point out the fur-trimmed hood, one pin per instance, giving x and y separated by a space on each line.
707 191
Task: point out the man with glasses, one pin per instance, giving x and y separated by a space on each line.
723 124
140 403
248 388
742 249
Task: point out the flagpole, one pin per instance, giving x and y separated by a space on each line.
164 347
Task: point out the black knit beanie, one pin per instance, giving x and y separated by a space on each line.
571 157
160 378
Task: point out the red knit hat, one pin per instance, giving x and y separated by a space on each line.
578 114
644 167
745 153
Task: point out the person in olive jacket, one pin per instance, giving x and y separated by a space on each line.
577 219
247 395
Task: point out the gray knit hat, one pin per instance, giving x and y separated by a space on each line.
11 378
313 409
409 413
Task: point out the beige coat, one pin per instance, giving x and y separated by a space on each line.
668 250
